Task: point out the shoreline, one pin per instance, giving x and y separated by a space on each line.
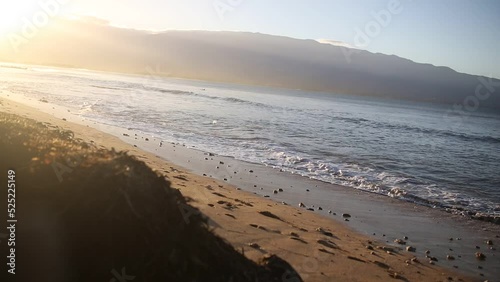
405 182
371 213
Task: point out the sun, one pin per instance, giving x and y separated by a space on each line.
12 13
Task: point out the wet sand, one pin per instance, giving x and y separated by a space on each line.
240 200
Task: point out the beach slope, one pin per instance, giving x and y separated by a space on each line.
94 208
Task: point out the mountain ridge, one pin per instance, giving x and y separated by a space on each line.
247 58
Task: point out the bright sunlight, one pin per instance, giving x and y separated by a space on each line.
15 14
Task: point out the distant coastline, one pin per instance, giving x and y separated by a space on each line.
253 59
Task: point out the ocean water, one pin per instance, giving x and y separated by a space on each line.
406 150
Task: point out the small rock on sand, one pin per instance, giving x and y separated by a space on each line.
254 245
399 241
410 249
433 258
480 256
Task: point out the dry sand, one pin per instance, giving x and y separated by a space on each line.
320 249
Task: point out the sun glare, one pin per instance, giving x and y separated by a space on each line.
12 14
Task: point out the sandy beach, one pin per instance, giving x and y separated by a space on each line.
257 210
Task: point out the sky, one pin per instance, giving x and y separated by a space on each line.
461 34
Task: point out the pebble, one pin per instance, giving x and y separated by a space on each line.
394 275
410 249
427 252
399 241
280 190
254 245
480 256
251 171
450 257
302 205
489 242
275 191
329 212
346 215
320 208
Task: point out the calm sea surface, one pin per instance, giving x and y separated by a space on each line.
405 150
